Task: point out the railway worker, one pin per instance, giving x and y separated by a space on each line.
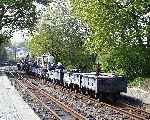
52 66
98 69
27 58
27 67
33 67
27 64
49 66
44 73
22 64
19 65
60 66
33 63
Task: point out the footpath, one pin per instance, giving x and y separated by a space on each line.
138 94
12 106
141 95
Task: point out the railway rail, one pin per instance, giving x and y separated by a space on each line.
134 111
58 109
131 111
33 97
128 110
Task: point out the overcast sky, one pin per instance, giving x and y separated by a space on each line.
19 37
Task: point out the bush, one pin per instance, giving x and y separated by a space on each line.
137 81
131 61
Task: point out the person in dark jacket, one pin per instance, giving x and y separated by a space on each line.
98 69
60 66
18 66
52 66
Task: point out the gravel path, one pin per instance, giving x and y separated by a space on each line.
12 106
141 96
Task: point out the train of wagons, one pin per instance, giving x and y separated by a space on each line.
104 85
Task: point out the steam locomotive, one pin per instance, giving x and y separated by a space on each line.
104 85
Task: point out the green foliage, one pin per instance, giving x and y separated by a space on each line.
69 67
137 81
17 14
113 23
3 54
131 61
65 42
39 44
119 31
63 36
9 2
3 39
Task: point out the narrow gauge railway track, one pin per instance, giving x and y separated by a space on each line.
57 108
134 110
50 113
130 111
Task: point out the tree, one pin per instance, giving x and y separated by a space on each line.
17 15
64 41
3 53
114 23
62 36
119 27
38 44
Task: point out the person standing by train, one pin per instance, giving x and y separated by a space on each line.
27 65
19 65
52 66
98 69
61 68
